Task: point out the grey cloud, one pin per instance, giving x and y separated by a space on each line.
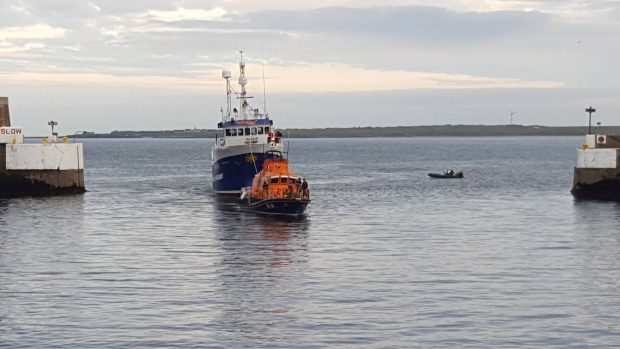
414 23
528 45
11 15
75 10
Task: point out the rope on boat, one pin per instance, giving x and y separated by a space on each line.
253 159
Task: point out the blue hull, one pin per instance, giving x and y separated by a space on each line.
232 173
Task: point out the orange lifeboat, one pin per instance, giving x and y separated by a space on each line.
276 190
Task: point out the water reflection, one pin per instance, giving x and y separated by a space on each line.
261 259
597 252
590 212
33 214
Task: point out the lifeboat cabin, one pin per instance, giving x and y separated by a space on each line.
276 190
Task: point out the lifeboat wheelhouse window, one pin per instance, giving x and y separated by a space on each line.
284 180
233 131
274 180
253 131
260 130
275 155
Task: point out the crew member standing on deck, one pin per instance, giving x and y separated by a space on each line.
265 188
304 188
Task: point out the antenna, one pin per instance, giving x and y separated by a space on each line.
264 92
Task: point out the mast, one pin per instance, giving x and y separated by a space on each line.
243 104
264 92
226 75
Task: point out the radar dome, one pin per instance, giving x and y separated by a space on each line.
226 74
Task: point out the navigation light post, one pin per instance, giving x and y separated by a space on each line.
53 123
590 110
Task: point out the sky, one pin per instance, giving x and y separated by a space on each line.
153 65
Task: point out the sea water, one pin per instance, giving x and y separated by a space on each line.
385 257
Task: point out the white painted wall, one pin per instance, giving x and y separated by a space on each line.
51 156
8 134
597 158
591 141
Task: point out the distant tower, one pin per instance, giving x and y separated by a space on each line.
5 118
511 115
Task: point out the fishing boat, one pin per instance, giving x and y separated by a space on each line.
447 174
238 153
276 190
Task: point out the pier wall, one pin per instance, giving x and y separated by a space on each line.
37 169
41 169
597 158
51 156
589 176
596 184
597 174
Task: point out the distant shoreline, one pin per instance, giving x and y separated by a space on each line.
366 132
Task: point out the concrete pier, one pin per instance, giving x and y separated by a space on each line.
597 174
46 168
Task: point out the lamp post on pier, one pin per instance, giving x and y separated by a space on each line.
53 136
590 110
53 123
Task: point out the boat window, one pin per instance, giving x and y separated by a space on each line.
253 130
260 130
247 131
284 180
233 131
266 129
240 132
274 180
227 132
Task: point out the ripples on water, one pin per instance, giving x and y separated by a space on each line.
385 257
